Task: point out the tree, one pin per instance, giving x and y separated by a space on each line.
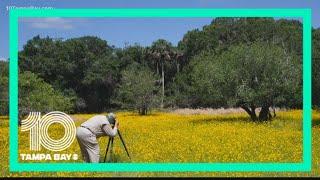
4 96
225 32
37 95
248 76
315 68
162 53
72 66
133 53
100 82
138 89
195 41
87 69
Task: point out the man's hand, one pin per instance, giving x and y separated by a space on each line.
117 124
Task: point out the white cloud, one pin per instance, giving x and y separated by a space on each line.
48 23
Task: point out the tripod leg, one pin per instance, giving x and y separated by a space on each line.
124 144
105 156
111 150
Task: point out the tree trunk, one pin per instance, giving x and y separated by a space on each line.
274 111
157 65
251 112
162 74
143 111
265 114
178 67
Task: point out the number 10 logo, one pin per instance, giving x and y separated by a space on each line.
38 127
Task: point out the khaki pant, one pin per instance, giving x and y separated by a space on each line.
88 144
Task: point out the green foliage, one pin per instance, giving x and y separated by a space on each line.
166 61
137 89
316 68
224 32
4 100
87 70
205 81
131 54
163 57
36 95
254 75
99 82
82 68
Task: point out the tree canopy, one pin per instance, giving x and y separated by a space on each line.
230 62
35 95
137 89
246 76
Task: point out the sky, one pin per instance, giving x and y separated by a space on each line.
119 31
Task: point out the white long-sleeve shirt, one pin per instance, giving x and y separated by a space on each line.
100 126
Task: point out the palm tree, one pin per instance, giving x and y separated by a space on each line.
160 52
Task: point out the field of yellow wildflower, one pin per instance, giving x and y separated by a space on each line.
173 137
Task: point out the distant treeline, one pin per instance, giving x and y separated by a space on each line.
232 62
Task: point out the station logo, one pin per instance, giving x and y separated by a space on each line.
39 138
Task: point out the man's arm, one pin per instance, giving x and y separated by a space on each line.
109 131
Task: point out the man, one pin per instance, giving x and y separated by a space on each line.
93 128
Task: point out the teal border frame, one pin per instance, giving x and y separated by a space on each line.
14 164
